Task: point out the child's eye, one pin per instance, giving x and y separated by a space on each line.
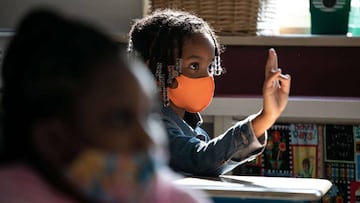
194 66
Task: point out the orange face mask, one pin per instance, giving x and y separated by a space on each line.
192 94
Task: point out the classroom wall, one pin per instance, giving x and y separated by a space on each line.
316 71
112 15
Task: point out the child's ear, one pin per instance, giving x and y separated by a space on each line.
53 142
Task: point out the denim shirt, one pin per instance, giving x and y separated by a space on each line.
193 152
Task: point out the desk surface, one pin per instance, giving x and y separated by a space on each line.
256 187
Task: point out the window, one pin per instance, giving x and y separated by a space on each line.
293 17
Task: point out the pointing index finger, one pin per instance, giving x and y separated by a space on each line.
272 62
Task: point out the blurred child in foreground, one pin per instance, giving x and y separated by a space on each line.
79 125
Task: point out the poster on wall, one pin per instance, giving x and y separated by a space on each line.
339 171
357 167
305 161
304 144
304 134
276 156
339 143
357 151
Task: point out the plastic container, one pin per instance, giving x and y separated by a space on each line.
329 16
354 19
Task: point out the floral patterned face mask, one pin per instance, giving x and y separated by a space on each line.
104 177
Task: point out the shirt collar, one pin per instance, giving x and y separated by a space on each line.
193 119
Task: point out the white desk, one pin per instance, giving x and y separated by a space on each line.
252 188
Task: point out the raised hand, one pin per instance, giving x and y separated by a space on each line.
276 87
276 90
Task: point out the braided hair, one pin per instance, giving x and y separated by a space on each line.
159 38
